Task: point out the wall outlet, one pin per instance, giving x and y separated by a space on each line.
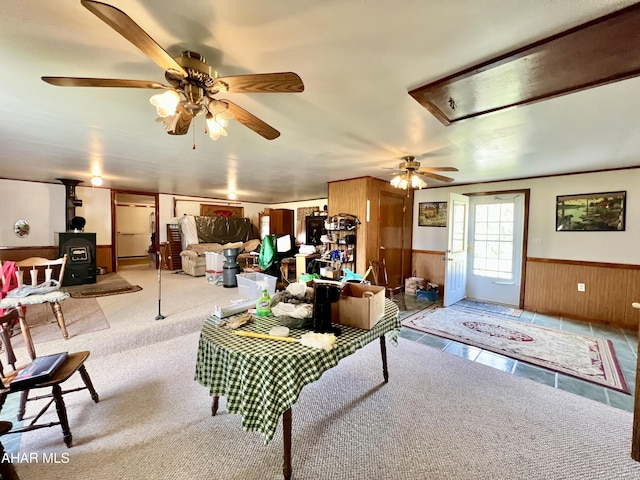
581 287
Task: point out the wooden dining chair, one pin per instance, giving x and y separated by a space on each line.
72 364
7 470
38 281
395 293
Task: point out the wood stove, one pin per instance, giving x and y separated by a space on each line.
81 257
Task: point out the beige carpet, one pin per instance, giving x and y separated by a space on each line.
588 358
439 417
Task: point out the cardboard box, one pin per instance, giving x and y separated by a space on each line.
360 306
329 272
412 284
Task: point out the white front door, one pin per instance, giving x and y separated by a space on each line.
496 225
455 279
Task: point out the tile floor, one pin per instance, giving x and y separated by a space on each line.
625 344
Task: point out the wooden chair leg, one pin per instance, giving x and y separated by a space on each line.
24 395
214 406
7 470
87 381
62 415
57 311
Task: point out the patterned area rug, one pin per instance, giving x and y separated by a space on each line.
109 284
584 357
487 307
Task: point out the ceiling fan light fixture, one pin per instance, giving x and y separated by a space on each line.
395 181
96 181
217 118
417 182
213 126
166 103
407 180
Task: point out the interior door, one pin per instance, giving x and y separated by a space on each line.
496 226
455 279
392 235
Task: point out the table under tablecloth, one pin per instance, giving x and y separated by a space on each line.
261 378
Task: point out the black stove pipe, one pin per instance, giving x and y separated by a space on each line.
71 200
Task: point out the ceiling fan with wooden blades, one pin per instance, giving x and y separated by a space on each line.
409 174
193 84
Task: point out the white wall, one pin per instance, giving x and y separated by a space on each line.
133 226
42 205
543 239
96 209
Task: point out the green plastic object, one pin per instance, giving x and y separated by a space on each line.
263 305
267 254
308 277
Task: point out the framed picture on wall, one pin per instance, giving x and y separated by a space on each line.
593 212
221 211
432 214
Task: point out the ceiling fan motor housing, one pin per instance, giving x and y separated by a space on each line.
409 165
200 79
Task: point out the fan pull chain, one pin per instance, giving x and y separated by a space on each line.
193 133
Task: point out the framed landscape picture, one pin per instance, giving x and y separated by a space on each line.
432 214
594 212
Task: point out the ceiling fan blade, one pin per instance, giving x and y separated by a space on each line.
251 121
122 23
179 123
101 82
287 82
438 169
435 176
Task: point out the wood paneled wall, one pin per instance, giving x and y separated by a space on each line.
103 254
551 286
429 264
20 253
350 196
103 257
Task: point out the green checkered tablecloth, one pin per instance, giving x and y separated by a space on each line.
261 378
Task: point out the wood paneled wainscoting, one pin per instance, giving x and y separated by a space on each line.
610 289
429 264
551 287
103 254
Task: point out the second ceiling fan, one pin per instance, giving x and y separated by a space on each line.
193 84
410 175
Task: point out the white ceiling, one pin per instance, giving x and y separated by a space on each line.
357 59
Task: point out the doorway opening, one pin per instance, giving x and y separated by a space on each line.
492 258
495 260
134 228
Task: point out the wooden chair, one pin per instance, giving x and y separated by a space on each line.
74 363
34 272
7 470
380 277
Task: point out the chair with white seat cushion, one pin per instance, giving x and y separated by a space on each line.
38 281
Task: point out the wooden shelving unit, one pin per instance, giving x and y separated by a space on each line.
174 243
